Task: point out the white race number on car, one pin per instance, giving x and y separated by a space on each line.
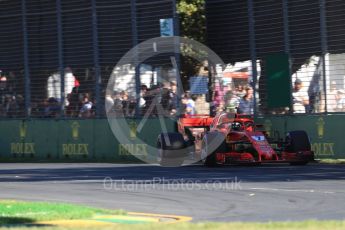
259 138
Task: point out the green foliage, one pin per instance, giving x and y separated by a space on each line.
192 19
192 26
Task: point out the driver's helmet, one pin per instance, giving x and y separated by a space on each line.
236 126
249 126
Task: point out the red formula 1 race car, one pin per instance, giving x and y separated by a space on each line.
230 139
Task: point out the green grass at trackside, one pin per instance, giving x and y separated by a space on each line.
18 212
332 161
305 225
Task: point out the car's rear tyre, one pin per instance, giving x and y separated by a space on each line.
212 144
172 149
297 141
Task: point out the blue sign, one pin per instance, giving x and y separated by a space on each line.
167 27
199 85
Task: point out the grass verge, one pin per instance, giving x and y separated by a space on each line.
304 225
332 161
19 212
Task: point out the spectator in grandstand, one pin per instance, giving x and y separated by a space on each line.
10 103
221 107
246 104
300 97
125 102
165 97
15 106
118 106
132 106
231 102
74 103
128 104
168 98
143 91
173 98
340 107
333 98
188 102
86 107
54 84
109 102
219 93
184 101
240 91
152 98
203 69
10 106
38 106
20 106
5 93
52 108
43 108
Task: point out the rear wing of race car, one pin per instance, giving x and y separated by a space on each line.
205 120
187 123
195 121
248 116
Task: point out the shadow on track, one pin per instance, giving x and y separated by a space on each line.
198 173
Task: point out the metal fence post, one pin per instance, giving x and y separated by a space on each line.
26 62
98 80
176 20
137 65
252 45
60 55
324 46
287 44
286 27
176 25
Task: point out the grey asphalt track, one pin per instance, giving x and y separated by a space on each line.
231 193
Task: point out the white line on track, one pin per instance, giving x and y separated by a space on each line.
292 190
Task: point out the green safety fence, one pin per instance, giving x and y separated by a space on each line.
94 139
326 132
77 139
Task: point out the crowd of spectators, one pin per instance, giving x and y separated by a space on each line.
336 97
159 99
238 99
12 103
79 105
303 103
78 102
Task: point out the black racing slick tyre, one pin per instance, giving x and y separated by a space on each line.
297 141
212 143
172 149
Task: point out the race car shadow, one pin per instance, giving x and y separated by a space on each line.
96 173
